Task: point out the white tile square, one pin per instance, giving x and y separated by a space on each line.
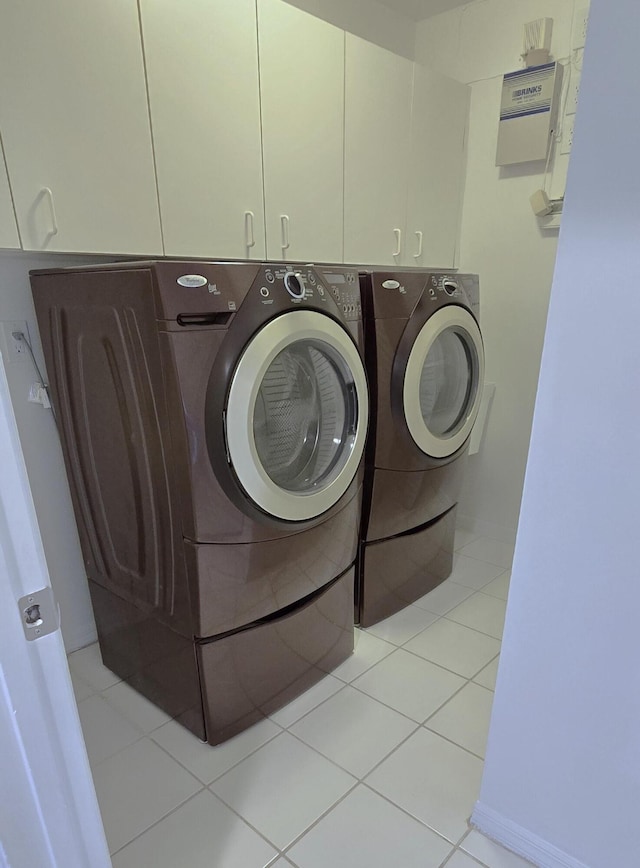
490 853
105 730
409 684
402 626
81 688
445 597
283 788
435 781
308 700
369 650
462 860
135 707
200 834
487 676
365 831
87 663
136 788
473 573
463 537
490 550
353 730
465 719
499 587
455 647
205 761
481 612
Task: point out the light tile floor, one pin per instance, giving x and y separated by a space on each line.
379 764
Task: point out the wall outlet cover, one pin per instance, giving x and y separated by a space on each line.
14 350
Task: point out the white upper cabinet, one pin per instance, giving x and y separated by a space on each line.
437 169
302 91
75 126
378 86
202 67
8 229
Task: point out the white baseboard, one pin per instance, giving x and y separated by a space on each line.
520 840
487 528
83 635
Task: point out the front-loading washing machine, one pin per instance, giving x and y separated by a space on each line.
425 362
213 418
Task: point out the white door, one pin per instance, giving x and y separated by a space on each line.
75 126
443 381
49 815
302 92
437 169
8 228
297 415
202 66
377 132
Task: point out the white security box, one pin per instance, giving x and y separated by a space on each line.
528 112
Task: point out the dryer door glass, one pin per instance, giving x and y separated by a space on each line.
297 415
448 383
305 416
443 381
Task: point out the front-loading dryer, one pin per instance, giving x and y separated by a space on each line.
425 362
213 419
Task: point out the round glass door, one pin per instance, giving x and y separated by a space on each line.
442 386
297 415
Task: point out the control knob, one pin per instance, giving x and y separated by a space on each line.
294 285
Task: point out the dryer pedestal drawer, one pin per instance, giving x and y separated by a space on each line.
249 674
400 570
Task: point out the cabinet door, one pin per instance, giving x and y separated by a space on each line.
437 169
302 87
202 67
8 229
377 129
75 126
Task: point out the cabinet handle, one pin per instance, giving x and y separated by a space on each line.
54 220
419 237
398 234
248 229
284 225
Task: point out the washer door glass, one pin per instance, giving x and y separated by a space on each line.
305 416
297 415
442 388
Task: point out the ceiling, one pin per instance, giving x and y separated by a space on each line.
420 9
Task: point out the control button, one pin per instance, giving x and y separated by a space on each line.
294 285
391 284
321 290
449 287
311 278
344 308
269 276
351 277
264 291
336 292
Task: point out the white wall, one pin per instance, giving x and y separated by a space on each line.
563 761
500 238
368 19
43 455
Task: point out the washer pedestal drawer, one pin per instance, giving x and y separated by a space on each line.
251 673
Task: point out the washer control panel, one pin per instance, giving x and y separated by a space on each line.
344 286
444 284
312 283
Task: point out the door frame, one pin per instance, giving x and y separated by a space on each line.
53 818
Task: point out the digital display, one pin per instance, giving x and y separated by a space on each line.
335 278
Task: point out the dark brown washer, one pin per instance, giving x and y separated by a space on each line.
213 418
